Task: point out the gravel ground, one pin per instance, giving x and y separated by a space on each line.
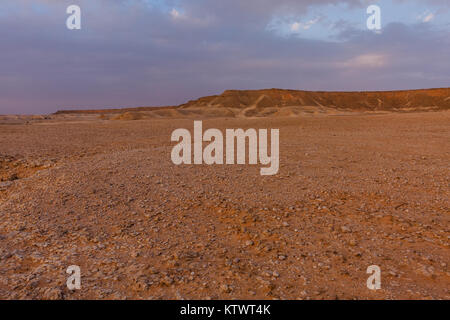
352 191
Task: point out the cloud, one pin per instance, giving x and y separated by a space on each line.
370 60
296 26
175 14
426 17
148 52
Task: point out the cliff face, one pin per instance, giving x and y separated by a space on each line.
428 99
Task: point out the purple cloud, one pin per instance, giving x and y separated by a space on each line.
140 53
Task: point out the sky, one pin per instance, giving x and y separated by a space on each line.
132 53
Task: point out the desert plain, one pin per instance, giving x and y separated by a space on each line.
356 187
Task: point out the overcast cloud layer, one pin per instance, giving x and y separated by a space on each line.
165 52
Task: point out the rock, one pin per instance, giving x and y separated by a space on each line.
53 294
249 243
6 184
225 288
166 281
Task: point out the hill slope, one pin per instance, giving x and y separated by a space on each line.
374 100
279 102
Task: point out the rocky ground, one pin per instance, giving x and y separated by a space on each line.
352 191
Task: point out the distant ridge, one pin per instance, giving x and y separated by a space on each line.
282 102
115 110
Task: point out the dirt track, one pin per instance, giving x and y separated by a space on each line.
352 191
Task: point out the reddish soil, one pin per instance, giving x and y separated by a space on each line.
353 190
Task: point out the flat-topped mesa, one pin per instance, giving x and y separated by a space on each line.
424 99
283 103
